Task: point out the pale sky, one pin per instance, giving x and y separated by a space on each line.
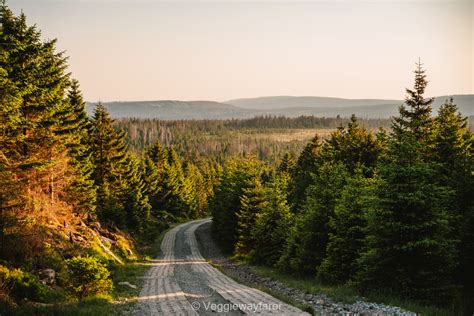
221 50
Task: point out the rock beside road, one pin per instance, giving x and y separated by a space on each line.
320 303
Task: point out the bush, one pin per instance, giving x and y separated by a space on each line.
86 276
19 285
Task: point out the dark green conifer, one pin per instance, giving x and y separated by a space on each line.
347 229
408 231
305 247
252 202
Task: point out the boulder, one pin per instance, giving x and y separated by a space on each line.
47 276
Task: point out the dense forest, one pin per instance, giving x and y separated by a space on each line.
267 137
391 212
384 205
73 197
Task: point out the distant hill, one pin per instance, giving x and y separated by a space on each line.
172 110
283 102
284 106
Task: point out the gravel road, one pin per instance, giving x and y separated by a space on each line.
181 282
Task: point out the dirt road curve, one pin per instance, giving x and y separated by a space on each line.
181 282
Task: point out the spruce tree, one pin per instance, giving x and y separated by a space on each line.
252 203
305 247
36 73
109 156
287 164
135 201
453 151
347 229
354 146
225 203
273 223
415 114
408 234
306 165
81 190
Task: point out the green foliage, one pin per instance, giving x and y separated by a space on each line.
252 203
308 163
135 202
20 284
86 276
354 146
269 138
306 244
273 223
226 202
415 117
409 233
347 230
81 190
109 157
453 151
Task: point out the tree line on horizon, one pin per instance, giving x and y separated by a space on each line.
218 140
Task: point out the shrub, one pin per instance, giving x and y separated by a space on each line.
86 276
20 284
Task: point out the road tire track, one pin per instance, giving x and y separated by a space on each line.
182 267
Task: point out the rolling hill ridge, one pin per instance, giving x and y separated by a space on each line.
280 106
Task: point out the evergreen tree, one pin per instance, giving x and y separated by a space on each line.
35 73
305 247
415 117
287 164
346 230
81 190
109 156
135 201
273 223
453 151
197 191
226 200
354 146
252 203
306 165
408 231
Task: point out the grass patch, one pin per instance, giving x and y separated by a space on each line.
348 294
344 294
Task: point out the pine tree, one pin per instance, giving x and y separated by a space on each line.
346 230
306 165
196 190
354 146
135 201
287 164
408 231
273 223
81 190
109 156
226 200
305 247
453 151
252 203
36 73
415 117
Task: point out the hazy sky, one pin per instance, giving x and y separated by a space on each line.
190 50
